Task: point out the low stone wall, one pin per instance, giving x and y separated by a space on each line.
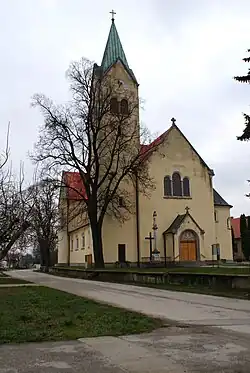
142 277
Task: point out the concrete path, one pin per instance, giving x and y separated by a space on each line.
170 350
194 309
195 346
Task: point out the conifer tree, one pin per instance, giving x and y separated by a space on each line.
245 79
245 236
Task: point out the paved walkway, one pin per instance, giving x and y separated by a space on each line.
183 348
170 350
194 309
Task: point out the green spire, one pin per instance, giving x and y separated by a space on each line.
113 50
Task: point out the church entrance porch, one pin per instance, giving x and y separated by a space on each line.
183 240
188 246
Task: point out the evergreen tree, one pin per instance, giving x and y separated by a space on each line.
245 236
233 242
247 240
245 79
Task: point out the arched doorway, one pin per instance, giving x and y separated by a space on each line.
188 246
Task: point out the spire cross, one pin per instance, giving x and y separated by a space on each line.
187 209
173 120
113 14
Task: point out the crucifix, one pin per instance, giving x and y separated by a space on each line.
155 227
187 209
113 14
151 239
173 120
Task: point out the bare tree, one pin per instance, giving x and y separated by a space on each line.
101 140
44 221
5 155
13 205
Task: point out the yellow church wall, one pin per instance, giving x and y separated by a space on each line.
77 254
62 233
125 88
223 234
128 86
114 233
62 247
176 155
170 246
77 215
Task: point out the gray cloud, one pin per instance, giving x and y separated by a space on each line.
184 54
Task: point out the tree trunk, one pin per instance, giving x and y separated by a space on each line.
45 254
96 228
13 239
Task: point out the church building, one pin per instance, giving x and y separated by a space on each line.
185 218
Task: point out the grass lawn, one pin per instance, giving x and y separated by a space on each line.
210 270
198 289
44 314
10 280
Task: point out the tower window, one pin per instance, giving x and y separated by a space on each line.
186 187
121 202
114 107
124 107
167 186
119 130
176 179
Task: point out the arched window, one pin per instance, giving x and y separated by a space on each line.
176 180
167 186
186 187
124 107
114 105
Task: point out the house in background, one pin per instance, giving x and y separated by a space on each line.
237 247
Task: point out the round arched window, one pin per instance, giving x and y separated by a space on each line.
124 107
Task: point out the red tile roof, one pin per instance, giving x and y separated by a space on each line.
73 180
74 184
145 149
236 227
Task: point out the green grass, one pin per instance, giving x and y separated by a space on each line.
210 270
198 289
9 280
214 270
44 314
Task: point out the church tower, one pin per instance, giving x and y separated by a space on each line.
114 54
124 98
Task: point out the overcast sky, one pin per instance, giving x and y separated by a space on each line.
184 54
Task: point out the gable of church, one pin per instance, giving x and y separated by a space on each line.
174 146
